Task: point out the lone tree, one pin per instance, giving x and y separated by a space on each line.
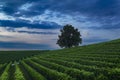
69 37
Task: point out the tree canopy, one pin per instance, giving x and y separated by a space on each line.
69 37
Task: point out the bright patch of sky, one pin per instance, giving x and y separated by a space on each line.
3 16
26 6
16 36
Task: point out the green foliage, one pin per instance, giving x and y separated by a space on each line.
114 74
69 37
49 73
35 75
101 77
75 73
5 75
7 56
18 74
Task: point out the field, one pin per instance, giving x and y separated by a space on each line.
92 62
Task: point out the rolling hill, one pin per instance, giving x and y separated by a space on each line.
91 62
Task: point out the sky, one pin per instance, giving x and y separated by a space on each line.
36 24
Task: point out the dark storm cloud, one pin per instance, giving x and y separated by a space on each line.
19 23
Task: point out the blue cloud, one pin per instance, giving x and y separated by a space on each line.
10 7
107 27
98 10
29 32
21 23
94 7
104 27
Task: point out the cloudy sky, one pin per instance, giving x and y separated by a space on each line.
35 24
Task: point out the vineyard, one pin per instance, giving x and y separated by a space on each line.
92 62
